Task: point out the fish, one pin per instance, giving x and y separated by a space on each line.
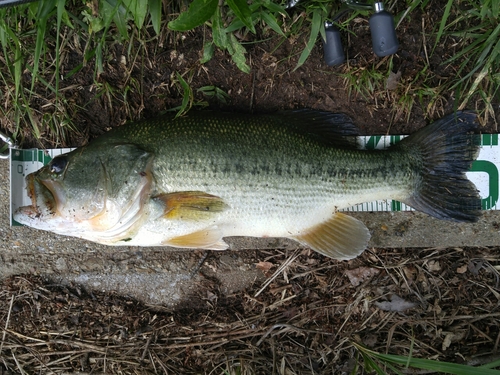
191 181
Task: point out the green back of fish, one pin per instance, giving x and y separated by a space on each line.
295 148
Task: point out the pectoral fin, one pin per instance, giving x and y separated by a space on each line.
191 205
341 237
209 238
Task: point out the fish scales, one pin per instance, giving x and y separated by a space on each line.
209 175
272 173
264 155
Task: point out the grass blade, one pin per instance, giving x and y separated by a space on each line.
443 22
242 11
427 364
316 23
271 21
15 66
60 10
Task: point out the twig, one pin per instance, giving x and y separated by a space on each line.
278 272
18 365
146 348
80 344
7 323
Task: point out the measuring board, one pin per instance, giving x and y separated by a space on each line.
484 173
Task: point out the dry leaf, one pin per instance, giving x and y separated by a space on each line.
358 275
264 266
395 304
213 267
211 296
370 340
434 266
452 337
462 269
393 80
410 272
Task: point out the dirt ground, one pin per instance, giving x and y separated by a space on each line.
434 303
441 303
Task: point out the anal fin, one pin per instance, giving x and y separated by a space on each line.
209 238
340 237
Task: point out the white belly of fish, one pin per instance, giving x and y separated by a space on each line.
275 213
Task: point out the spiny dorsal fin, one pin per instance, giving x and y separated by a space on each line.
209 238
191 205
332 129
340 237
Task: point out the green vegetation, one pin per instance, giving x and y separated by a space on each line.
241 17
476 26
37 39
378 363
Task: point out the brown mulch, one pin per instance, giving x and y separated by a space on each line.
435 303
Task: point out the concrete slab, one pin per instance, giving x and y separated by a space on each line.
163 275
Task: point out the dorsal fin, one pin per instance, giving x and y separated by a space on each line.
333 129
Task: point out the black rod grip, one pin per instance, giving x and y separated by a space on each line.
8 3
333 52
384 39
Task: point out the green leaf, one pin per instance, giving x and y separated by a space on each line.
187 97
446 367
242 11
66 19
155 11
208 52
316 24
219 34
107 11
214 92
120 20
116 12
98 57
274 7
138 9
237 52
235 25
198 13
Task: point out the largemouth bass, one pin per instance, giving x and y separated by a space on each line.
190 181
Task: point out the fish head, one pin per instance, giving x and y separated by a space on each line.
91 192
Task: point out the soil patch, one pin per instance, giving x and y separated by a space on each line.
443 302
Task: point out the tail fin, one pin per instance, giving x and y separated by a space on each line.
445 151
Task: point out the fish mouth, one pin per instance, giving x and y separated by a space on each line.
44 201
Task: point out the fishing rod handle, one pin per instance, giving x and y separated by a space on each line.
384 39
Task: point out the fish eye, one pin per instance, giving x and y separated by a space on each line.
58 164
